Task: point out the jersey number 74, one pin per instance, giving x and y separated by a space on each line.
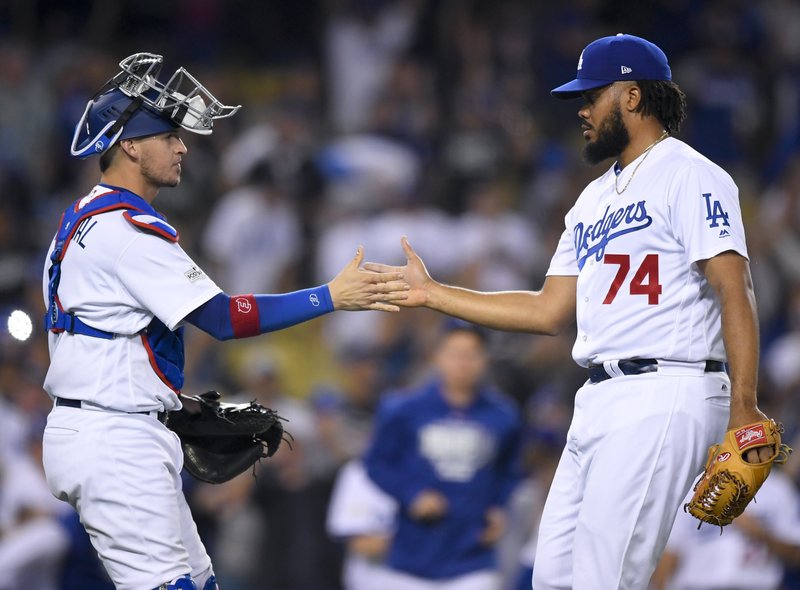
644 281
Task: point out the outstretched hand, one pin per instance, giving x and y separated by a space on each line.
414 274
358 289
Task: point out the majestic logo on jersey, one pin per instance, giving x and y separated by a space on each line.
593 238
456 449
715 213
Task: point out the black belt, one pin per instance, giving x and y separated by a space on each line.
598 373
76 403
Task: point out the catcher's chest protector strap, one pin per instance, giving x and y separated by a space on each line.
100 200
153 225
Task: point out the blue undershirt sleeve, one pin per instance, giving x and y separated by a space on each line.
219 318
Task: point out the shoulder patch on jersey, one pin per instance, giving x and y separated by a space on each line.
153 225
194 274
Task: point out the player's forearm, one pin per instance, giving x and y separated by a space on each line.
241 316
514 311
740 335
729 275
788 553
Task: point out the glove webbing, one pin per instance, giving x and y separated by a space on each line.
717 484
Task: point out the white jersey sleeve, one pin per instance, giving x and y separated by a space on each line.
564 261
705 212
358 506
163 279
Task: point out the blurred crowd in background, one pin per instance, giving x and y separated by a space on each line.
366 120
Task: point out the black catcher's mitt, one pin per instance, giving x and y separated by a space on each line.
222 440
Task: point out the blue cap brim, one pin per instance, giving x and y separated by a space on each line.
574 88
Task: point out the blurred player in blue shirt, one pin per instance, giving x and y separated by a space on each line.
448 453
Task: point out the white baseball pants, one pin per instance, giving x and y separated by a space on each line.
121 472
634 448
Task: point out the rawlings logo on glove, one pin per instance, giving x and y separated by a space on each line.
222 440
729 482
751 436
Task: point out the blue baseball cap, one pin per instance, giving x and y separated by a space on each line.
616 58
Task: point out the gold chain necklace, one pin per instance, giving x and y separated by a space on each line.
646 152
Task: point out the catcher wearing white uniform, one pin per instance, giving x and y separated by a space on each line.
118 288
653 264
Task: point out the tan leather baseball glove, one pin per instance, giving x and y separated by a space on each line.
730 482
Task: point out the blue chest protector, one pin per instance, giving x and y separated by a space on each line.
164 346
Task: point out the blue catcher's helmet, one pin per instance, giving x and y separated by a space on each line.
134 103
112 116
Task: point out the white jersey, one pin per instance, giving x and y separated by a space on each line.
732 560
360 507
117 277
639 292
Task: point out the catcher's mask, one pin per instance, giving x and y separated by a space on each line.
134 103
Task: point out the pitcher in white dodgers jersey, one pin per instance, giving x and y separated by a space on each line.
118 288
653 264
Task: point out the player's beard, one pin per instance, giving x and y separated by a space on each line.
612 138
155 173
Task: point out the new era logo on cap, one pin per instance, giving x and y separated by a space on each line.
619 57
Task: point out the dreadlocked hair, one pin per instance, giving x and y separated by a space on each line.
663 100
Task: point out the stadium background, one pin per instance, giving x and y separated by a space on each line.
365 120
